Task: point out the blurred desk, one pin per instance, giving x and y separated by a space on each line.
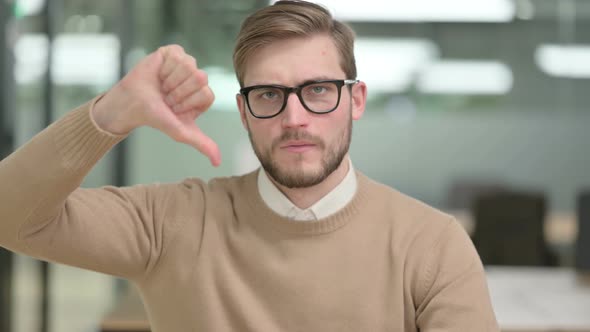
127 316
532 299
561 228
525 299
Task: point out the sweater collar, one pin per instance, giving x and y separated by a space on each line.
261 215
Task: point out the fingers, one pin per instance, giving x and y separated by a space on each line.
172 54
192 82
199 101
179 67
185 70
185 87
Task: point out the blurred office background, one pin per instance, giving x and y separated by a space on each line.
470 102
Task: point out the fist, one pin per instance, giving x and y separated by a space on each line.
165 91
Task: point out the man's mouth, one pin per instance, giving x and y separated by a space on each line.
297 146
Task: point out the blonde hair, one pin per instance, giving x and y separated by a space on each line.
292 19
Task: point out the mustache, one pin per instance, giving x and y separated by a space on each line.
294 135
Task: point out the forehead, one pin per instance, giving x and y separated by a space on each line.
294 61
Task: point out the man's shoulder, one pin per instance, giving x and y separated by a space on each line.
414 225
402 208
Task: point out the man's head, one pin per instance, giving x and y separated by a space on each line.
292 19
301 135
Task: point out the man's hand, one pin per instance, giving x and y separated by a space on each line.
166 91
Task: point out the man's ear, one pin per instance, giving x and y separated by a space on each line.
359 99
242 108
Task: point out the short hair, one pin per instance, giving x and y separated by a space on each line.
292 19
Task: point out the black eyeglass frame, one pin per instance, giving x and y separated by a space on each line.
297 90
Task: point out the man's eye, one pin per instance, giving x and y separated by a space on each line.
318 89
267 94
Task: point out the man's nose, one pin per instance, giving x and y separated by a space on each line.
295 114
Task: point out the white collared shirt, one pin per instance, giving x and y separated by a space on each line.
327 205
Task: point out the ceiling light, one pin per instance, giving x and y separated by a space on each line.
421 10
466 77
571 61
91 59
30 55
391 65
29 7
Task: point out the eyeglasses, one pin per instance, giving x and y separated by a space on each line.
320 97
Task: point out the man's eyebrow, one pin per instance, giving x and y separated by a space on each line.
262 83
318 78
309 80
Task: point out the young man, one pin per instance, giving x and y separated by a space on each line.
304 244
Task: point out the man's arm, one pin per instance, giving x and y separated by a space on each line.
453 293
118 231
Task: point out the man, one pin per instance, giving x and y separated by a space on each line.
304 244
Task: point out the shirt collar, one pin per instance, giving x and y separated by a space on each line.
327 205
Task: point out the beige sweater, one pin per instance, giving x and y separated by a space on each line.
213 257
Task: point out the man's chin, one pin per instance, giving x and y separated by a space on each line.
296 178
299 182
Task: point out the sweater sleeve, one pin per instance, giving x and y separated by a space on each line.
44 213
454 295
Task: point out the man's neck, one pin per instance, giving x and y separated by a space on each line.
303 198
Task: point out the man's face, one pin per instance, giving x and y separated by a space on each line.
298 148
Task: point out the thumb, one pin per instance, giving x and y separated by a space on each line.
188 132
192 135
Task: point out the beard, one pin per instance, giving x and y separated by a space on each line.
297 176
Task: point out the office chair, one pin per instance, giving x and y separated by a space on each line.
582 251
462 192
509 229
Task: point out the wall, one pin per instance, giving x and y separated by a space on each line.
418 154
